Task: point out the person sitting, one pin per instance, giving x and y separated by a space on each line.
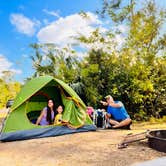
90 111
58 117
47 115
116 115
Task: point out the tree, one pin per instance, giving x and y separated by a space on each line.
9 89
48 59
132 75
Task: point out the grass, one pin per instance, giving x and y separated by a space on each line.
138 127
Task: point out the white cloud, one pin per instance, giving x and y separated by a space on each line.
53 13
63 31
123 28
119 39
24 24
6 65
82 54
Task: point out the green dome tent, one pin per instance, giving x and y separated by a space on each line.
32 99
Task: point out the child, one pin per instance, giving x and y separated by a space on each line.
58 117
90 111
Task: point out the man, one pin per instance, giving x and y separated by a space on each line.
116 115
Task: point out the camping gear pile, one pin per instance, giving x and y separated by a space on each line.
99 118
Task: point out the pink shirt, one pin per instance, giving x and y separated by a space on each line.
89 110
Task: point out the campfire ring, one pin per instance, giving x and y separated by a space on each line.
157 139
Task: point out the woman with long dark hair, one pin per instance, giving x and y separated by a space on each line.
47 115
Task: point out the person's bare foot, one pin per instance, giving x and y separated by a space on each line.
115 126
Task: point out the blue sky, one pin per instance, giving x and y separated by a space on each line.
21 21
28 21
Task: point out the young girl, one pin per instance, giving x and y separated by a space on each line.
58 117
47 115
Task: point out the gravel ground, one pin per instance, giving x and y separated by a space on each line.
90 148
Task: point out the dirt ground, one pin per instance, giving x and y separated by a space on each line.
90 148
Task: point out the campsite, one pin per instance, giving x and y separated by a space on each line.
88 148
83 83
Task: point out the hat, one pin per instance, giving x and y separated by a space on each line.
108 96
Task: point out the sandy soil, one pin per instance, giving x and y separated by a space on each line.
91 148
